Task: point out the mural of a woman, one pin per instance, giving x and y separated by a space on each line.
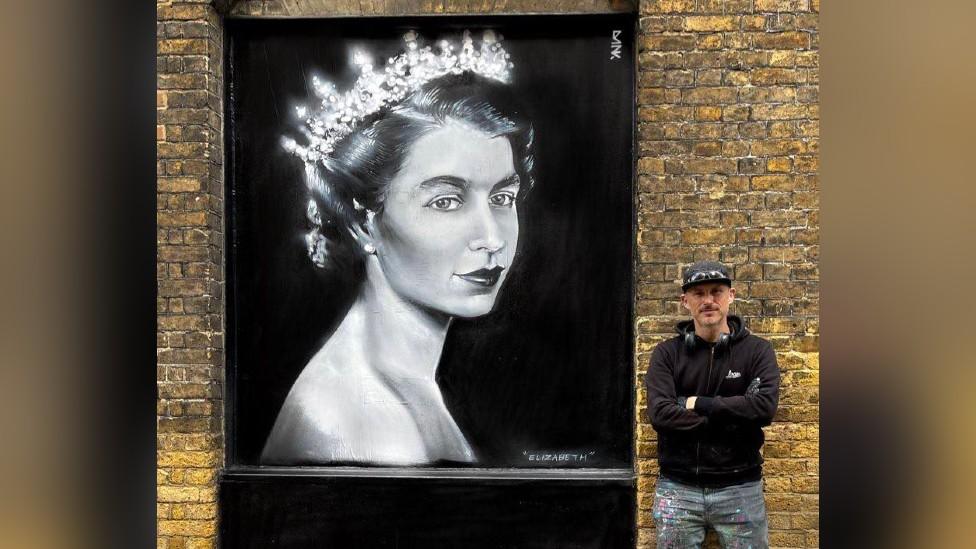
415 178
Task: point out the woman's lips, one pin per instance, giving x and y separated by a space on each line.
483 277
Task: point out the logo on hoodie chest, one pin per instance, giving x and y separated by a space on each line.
733 375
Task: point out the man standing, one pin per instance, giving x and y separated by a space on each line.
710 390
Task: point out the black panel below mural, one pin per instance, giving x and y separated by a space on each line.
260 511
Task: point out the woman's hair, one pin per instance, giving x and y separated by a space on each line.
355 177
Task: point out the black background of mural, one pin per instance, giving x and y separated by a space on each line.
304 512
550 371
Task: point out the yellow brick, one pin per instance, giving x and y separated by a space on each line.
779 521
782 58
177 494
804 449
182 12
774 183
667 6
182 46
782 5
805 378
647 467
187 527
650 165
201 543
754 22
708 236
647 449
645 501
806 485
200 511
710 42
776 484
783 467
786 539
177 184
187 459
806 521
783 503
779 165
200 476
163 510
708 113
182 219
776 325
711 23
178 511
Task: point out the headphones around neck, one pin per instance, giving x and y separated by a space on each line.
691 341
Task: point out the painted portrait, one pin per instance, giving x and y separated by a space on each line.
430 259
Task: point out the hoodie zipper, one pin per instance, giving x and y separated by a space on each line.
708 383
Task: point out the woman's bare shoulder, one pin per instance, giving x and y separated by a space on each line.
312 422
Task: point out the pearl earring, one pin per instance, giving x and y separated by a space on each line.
369 248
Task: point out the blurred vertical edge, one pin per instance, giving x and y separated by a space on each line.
77 416
897 197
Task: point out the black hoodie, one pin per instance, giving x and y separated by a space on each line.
737 385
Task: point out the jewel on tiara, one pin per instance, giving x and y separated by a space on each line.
337 114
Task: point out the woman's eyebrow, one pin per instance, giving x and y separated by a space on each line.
510 181
444 181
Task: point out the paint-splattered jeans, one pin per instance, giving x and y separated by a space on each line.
737 513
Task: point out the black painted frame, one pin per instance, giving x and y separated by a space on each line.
245 484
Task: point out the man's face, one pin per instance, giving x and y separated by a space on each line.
708 302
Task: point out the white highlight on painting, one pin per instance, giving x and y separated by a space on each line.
337 114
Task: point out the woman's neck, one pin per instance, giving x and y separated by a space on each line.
397 339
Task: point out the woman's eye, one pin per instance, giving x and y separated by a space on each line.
445 203
504 200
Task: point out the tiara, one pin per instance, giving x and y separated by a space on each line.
336 115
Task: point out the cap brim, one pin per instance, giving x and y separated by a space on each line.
684 287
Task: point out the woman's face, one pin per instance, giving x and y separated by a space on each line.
448 231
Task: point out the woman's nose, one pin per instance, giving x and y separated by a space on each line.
488 235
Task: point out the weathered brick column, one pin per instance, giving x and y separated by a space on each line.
189 272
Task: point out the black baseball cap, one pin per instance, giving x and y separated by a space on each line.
705 271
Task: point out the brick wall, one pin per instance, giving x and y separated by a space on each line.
189 272
728 125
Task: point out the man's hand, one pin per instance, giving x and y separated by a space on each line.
690 403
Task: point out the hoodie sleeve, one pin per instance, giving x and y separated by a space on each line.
759 402
663 408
